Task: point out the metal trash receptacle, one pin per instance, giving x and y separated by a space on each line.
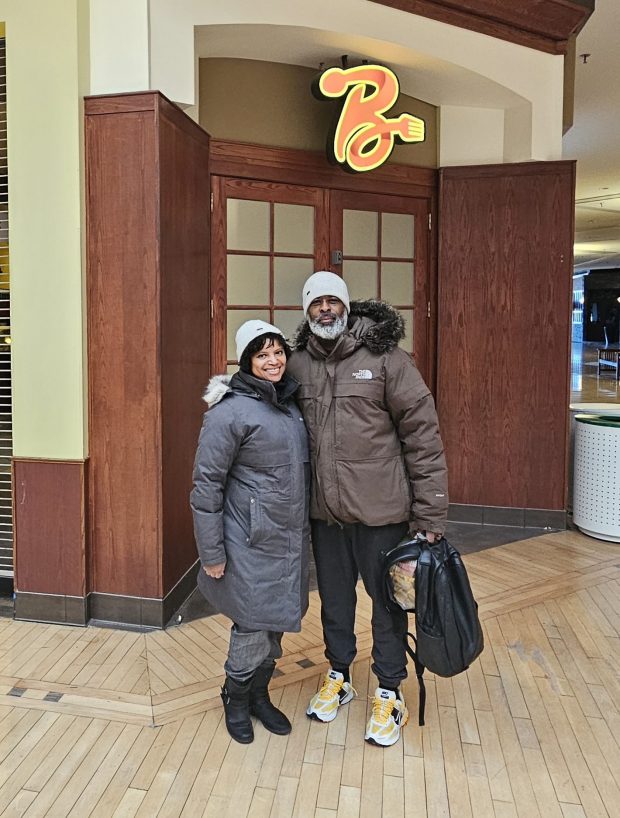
596 483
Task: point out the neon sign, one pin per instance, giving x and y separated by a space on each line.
363 137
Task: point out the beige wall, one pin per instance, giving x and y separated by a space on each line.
45 231
271 104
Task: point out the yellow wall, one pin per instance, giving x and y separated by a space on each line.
44 147
271 104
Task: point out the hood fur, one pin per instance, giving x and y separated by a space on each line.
380 333
218 386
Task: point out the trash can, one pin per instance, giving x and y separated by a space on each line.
596 484
588 409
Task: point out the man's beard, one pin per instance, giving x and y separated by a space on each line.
329 332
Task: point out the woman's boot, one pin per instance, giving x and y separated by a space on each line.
236 698
272 719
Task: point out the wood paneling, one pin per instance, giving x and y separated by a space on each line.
184 276
123 350
50 525
545 25
148 227
309 168
505 262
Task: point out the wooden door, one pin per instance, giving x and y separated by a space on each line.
504 366
267 239
384 241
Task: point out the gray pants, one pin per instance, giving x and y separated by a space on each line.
341 555
248 650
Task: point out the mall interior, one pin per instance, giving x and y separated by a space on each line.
167 173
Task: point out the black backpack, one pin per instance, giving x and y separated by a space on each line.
448 632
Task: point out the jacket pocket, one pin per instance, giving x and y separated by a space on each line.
255 520
374 492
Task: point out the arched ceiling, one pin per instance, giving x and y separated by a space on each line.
430 79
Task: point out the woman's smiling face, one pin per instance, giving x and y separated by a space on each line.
269 362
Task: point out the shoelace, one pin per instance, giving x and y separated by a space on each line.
382 709
330 688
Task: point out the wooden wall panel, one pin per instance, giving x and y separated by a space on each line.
184 247
505 264
50 524
298 167
123 350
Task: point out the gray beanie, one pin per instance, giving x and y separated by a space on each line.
250 330
324 283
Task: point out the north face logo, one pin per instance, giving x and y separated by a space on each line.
363 375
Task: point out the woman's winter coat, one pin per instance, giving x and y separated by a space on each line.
377 455
250 502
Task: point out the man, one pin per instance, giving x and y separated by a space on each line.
378 472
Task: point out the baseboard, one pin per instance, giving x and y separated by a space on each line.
113 609
53 608
503 515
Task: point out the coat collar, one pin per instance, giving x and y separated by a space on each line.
373 324
221 386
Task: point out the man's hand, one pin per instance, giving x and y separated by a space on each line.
431 536
215 571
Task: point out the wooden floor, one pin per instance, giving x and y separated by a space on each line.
111 723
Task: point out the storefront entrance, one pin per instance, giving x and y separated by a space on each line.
267 238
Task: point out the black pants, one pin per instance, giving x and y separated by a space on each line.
340 555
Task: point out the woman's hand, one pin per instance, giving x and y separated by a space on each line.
215 571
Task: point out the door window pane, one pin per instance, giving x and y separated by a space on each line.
397 282
247 279
287 321
293 228
289 275
397 235
407 342
359 233
360 278
234 320
247 225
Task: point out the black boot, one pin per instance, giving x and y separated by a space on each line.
272 719
236 698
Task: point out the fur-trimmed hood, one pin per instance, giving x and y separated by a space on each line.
243 383
218 386
377 324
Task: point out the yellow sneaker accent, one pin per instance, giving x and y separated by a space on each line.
333 692
389 714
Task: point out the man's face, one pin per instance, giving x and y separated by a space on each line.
326 310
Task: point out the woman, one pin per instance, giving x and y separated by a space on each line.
250 505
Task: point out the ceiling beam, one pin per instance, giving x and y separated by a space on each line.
545 25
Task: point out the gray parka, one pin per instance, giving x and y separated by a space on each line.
250 502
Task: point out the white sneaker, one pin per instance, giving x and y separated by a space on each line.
334 692
389 714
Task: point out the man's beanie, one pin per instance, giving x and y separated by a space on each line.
324 283
250 330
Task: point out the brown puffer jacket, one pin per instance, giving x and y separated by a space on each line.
377 456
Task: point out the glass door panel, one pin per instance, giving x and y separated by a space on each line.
247 225
361 278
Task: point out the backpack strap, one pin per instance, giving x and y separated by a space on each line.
419 672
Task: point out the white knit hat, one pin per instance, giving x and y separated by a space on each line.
324 283
250 330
